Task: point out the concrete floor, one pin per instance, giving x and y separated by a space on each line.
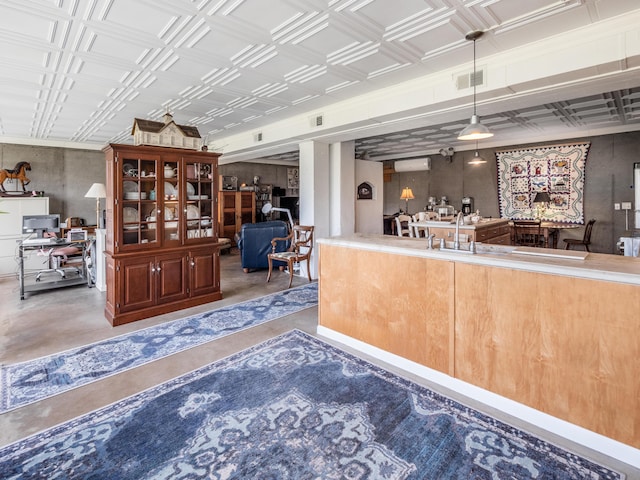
57 320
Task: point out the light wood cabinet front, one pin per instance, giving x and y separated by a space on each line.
563 345
403 305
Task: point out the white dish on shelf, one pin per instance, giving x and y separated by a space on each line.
130 227
169 189
135 196
168 214
129 187
197 197
193 212
171 224
130 215
191 190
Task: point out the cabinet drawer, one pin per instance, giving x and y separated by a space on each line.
485 234
504 239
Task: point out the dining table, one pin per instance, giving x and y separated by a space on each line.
550 232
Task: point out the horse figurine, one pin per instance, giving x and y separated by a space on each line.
18 172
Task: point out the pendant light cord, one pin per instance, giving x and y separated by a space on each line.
474 76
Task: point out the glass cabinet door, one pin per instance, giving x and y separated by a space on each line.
199 200
171 214
138 199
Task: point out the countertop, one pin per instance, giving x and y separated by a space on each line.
488 223
596 266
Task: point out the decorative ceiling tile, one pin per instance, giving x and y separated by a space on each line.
82 70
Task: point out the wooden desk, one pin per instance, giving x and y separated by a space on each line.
91 230
550 232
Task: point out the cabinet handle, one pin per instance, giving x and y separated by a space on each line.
193 264
158 268
153 269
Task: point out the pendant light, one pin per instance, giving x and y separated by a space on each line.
475 130
477 159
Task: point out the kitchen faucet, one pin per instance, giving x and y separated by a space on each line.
430 238
456 238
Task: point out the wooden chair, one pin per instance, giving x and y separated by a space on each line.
301 245
586 238
402 226
528 233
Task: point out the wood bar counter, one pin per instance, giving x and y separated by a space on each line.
557 334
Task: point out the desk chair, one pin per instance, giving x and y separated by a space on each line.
586 238
528 233
402 226
301 245
60 260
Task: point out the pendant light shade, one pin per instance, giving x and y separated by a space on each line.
477 159
475 130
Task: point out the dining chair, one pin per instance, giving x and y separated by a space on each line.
585 241
528 233
300 246
402 226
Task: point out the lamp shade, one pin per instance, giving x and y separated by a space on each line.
542 197
97 190
477 159
475 130
407 194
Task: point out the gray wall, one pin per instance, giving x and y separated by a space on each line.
275 175
64 174
608 179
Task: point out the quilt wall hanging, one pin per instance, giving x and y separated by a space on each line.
557 169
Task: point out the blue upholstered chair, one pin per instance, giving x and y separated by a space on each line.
254 243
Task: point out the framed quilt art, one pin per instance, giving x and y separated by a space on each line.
556 169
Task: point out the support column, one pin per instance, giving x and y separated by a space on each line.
314 194
342 188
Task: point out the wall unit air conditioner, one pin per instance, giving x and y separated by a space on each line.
413 165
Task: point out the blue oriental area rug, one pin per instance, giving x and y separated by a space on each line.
293 407
28 382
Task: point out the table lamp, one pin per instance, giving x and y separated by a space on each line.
541 200
97 191
407 194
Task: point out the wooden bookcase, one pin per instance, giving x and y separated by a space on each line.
234 209
162 251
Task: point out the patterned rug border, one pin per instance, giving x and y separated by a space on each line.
5 395
395 378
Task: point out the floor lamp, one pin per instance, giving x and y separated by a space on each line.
267 208
97 191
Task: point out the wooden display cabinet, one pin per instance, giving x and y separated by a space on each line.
162 250
234 209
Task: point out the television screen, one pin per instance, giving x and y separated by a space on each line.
39 224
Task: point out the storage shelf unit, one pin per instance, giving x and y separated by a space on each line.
162 250
234 209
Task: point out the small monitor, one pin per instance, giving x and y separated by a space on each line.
39 224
